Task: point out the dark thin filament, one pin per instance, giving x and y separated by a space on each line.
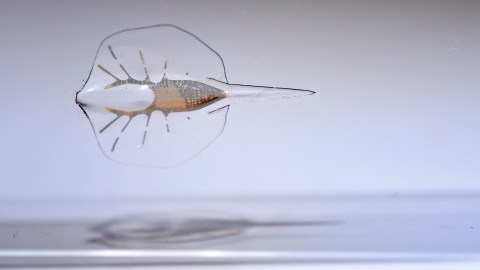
108 72
111 52
109 124
144 137
124 70
128 122
147 76
114 144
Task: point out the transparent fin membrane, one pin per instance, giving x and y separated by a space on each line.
158 95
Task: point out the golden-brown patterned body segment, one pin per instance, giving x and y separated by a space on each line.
177 96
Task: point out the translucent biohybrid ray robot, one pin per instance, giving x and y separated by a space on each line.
159 95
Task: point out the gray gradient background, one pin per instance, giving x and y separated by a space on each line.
396 109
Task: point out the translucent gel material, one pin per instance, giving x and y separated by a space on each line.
158 95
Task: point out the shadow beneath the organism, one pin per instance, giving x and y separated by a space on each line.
150 231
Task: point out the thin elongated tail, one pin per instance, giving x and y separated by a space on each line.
240 93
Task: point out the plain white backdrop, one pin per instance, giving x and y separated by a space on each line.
396 108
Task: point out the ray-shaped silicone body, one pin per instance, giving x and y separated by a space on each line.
159 95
